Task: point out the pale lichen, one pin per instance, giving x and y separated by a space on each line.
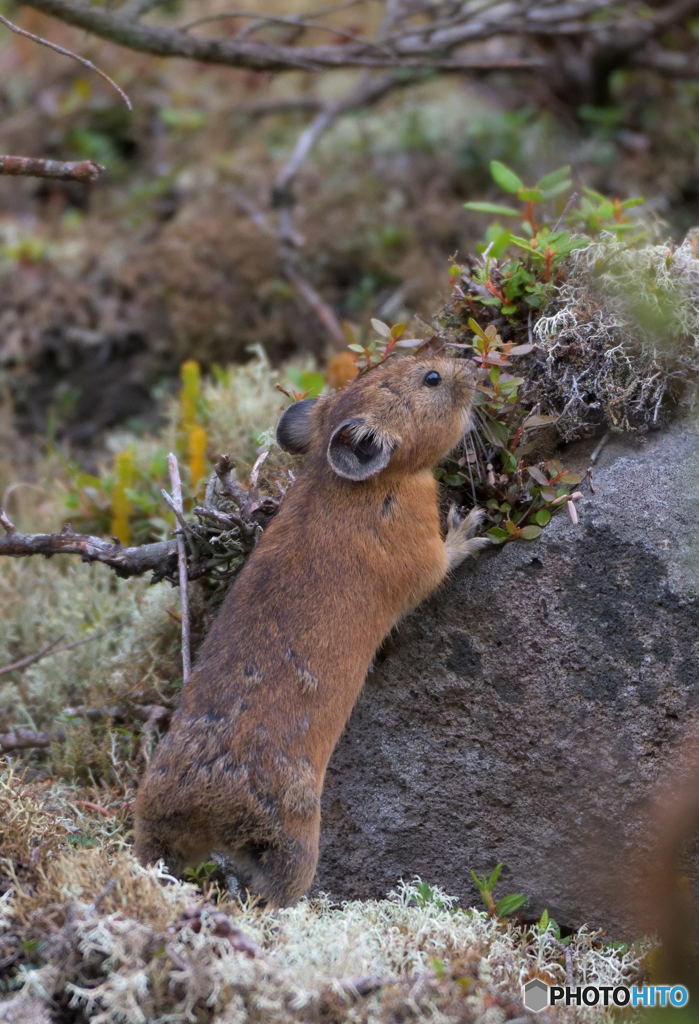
620 341
90 934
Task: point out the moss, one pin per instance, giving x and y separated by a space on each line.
129 658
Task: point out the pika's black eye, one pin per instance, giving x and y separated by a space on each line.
432 379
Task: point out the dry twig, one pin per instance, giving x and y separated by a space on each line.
55 647
177 505
67 53
26 739
159 558
411 51
60 170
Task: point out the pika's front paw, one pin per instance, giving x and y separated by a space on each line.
459 541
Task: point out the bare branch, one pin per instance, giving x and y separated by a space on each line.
6 523
300 21
413 52
30 659
262 19
176 485
369 91
301 285
218 543
34 167
317 304
55 647
25 739
67 53
225 472
159 558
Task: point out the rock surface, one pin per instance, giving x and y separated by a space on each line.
525 712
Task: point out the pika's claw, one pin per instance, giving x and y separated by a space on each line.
459 541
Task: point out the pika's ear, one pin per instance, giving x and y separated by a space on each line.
294 429
357 452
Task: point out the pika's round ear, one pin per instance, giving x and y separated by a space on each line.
294 429
357 452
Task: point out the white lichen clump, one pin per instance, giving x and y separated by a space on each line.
112 942
621 338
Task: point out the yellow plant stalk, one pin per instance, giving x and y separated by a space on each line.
196 450
121 503
190 375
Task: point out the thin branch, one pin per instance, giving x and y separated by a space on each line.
67 53
218 545
317 304
369 91
60 170
52 648
299 20
164 42
30 659
176 485
225 472
159 557
26 739
301 285
296 21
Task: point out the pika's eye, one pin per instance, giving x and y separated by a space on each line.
432 379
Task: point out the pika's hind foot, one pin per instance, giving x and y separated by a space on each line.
459 541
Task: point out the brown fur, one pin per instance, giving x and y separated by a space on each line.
241 770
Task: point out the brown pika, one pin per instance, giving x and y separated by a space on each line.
355 545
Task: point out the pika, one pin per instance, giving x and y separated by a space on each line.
355 545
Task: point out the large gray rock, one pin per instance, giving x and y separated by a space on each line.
524 713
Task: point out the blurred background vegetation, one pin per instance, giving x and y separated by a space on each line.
108 288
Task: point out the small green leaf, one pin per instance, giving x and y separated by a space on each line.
530 195
355 348
530 532
557 190
497 534
554 177
495 876
505 178
497 209
542 517
312 382
476 328
510 903
522 243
